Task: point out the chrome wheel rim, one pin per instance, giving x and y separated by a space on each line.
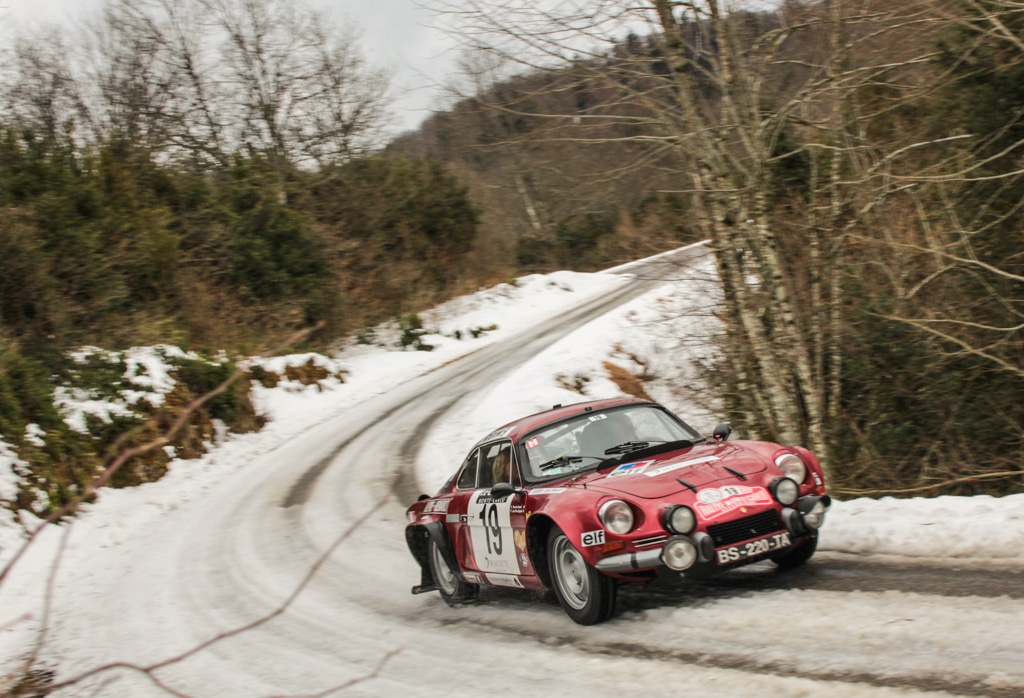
443 576
571 574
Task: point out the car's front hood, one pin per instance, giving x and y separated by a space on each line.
663 475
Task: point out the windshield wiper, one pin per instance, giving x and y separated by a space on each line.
626 447
560 461
616 454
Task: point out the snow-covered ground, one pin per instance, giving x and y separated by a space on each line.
660 329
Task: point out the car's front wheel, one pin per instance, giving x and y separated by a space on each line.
799 555
586 595
455 590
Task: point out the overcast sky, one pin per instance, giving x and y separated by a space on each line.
395 34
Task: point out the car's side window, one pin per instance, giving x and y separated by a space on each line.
496 464
467 479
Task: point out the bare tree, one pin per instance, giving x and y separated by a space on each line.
206 78
303 93
39 89
187 103
956 238
710 91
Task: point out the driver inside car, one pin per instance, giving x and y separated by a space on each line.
603 434
502 466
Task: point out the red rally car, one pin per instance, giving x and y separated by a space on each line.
582 497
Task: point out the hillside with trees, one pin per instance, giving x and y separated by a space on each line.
856 166
215 175
207 176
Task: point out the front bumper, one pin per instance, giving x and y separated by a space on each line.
798 520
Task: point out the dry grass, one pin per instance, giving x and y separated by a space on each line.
628 382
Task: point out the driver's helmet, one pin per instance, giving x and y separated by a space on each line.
597 436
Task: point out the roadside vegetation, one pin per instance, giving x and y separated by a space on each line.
857 169
215 176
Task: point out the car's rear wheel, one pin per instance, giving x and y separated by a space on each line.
455 590
799 555
586 595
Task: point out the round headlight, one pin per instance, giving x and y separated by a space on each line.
816 516
680 519
792 467
616 516
785 490
679 553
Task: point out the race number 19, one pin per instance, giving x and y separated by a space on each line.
492 528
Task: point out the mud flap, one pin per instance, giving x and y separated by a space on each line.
418 538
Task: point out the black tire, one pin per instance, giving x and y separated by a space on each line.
792 559
450 584
586 595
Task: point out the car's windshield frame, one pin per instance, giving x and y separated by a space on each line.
561 440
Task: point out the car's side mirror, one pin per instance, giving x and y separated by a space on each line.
503 489
722 432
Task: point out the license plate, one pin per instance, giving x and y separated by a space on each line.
753 548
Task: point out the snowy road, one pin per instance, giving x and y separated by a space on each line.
229 556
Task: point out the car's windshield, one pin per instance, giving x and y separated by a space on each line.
584 441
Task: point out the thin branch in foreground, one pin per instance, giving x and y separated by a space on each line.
124 456
281 609
967 347
44 625
13 622
1005 474
101 480
352 682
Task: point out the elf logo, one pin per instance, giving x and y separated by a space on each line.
592 538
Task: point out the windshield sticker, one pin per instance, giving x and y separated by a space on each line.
630 468
437 506
533 443
597 417
676 466
716 502
498 433
548 490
